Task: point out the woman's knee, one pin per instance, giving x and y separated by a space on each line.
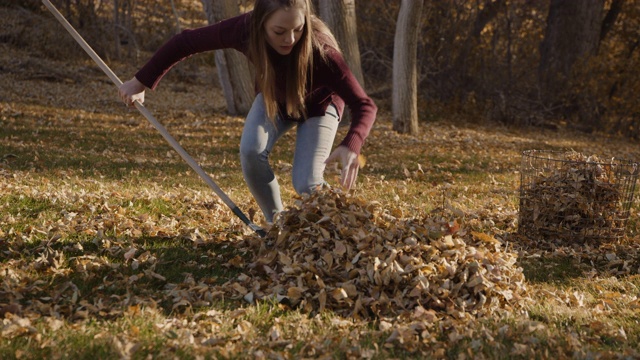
253 159
306 185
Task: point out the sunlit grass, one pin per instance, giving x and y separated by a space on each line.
83 188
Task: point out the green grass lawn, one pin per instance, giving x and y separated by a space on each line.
112 247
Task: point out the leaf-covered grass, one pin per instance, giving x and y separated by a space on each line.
112 247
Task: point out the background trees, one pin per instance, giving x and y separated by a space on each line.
572 35
340 16
542 63
233 68
405 77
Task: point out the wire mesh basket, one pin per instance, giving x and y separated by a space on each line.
573 198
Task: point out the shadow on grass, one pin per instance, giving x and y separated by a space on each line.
101 280
561 263
556 270
111 154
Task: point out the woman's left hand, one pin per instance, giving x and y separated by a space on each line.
350 165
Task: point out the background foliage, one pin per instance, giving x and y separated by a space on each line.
478 59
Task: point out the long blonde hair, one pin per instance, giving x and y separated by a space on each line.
299 71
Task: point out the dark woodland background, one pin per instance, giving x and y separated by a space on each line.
547 63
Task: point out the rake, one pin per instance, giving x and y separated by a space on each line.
147 114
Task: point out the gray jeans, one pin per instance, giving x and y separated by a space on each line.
314 140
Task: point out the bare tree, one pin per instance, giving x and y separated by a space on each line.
122 24
489 11
572 34
611 17
175 15
405 77
340 16
233 68
116 24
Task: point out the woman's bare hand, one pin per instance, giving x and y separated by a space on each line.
350 165
131 91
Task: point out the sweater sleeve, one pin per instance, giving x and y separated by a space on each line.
363 109
230 33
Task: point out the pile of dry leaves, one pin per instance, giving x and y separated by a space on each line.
334 251
570 196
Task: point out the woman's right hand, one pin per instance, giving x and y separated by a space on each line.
131 91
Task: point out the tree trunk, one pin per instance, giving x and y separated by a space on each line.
572 34
340 16
611 17
488 12
405 77
175 14
233 68
116 29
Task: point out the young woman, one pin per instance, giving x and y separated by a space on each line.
302 81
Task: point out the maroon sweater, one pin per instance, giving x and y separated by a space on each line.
332 80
